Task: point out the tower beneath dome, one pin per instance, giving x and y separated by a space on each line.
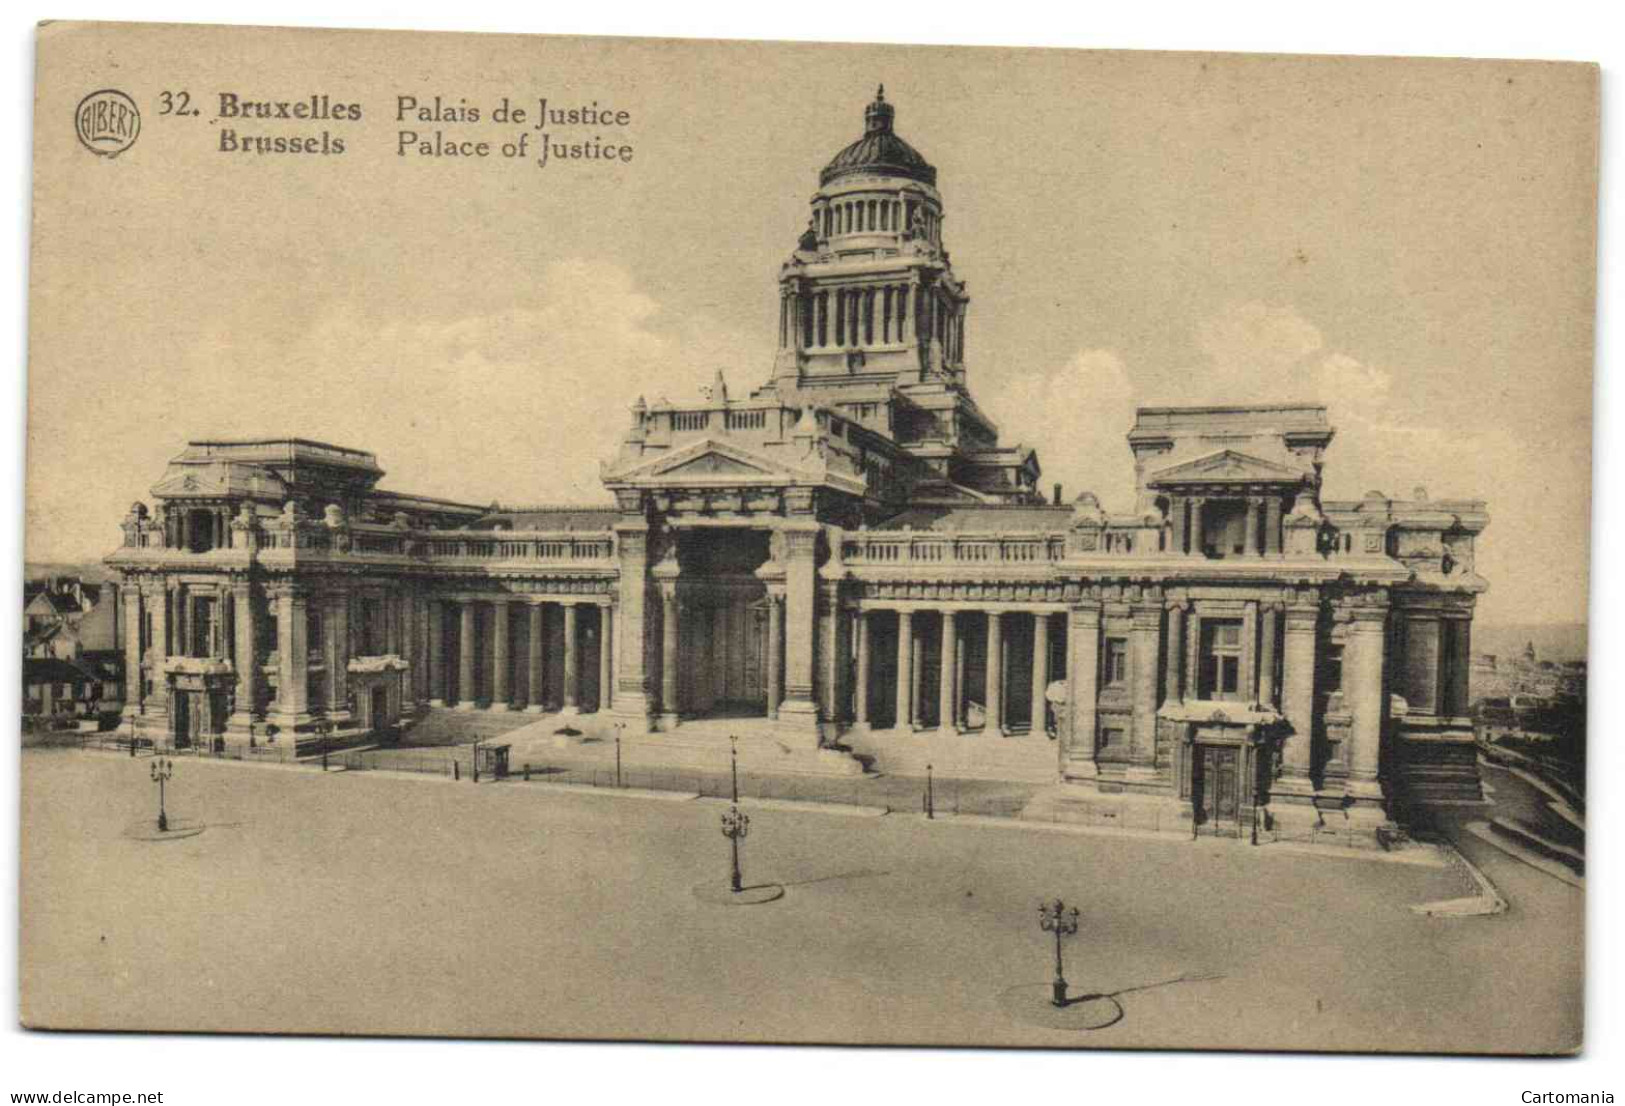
872 320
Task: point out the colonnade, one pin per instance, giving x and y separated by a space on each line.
1189 516
493 674
856 317
998 676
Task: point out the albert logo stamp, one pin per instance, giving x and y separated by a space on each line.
108 122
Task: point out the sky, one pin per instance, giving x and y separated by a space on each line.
1410 243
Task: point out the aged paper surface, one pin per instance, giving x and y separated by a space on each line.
632 539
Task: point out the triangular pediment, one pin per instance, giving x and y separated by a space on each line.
207 482
1227 466
713 464
708 462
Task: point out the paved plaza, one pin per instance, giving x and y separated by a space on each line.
371 902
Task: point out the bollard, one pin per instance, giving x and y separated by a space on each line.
456 772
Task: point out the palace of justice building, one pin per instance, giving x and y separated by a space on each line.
848 569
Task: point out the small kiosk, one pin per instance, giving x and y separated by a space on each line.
491 760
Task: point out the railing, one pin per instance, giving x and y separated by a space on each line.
283 449
888 550
518 546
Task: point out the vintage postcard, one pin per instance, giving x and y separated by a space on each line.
636 539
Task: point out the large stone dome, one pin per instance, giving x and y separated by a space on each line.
879 152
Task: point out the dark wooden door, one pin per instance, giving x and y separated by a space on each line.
181 719
1219 783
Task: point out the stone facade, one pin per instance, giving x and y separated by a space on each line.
849 556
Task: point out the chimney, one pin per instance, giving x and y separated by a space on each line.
1057 495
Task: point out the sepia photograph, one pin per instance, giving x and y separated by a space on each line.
547 538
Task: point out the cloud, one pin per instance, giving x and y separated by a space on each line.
1076 416
1077 413
516 405
1255 342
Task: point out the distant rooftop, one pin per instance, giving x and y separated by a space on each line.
1232 417
277 451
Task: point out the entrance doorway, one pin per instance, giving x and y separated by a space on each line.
380 709
723 623
1216 784
180 719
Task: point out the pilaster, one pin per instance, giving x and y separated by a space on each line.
631 693
1083 671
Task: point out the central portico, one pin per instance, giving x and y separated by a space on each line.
731 534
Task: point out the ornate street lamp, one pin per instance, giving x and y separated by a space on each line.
620 728
733 742
162 769
735 825
1054 917
930 798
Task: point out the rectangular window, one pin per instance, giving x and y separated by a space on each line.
1220 676
1116 661
313 631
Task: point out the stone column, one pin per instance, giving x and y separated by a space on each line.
917 687
389 602
1083 671
1249 652
860 704
606 654
406 603
1193 654
180 636
1272 524
1179 509
668 655
338 659
832 651
536 661
572 661
1145 640
948 684
1196 525
1040 712
158 650
1298 698
133 688
1268 628
1462 662
502 663
1367 633
631 698
246 708
437 654
798 707
1171 690
1249 541
465 655
905 670
995 672
293 692
775 649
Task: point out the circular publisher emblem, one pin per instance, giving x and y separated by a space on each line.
107 122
